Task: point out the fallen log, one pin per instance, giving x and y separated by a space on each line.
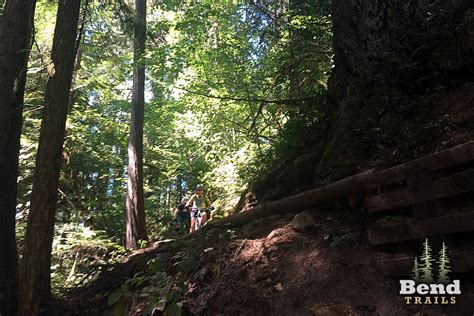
346 187
354 185
440 160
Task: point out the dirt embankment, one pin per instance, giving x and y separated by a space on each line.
269 268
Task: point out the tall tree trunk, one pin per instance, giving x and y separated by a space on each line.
36 268
15 42
135 206
386 55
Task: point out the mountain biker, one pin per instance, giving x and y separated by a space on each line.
181 214
198 201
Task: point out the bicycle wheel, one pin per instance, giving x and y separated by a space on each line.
198 221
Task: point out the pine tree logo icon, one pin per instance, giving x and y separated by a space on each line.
415 272
443 265
422 271
426 286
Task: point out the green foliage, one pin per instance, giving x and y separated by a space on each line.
336 239
2 4
114 298
79 255
154 287
173 310
207 64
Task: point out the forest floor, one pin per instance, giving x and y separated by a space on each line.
266 267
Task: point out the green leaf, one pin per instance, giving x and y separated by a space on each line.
173 310
336 242
124 288
114 298
119 309
169 296
153 265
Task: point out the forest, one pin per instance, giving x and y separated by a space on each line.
235 157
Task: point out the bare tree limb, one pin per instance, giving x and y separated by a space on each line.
264 101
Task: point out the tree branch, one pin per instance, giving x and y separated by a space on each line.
228 98
82 27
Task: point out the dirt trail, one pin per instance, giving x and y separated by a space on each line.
269 268
279 271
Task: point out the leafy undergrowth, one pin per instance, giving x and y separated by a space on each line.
264 268
79 254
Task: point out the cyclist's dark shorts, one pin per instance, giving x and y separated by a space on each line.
182 217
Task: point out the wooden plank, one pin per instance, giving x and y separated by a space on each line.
428 207
417 180
460 182
455 184
398 198
443 159
442 225
461 262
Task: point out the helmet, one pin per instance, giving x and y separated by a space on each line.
184 200
199 187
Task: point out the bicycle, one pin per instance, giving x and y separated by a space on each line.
198 221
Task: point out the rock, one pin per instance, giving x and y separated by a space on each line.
333 309
302 221
278 287
275 233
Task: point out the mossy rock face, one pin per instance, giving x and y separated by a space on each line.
304 169
285 182
267 183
